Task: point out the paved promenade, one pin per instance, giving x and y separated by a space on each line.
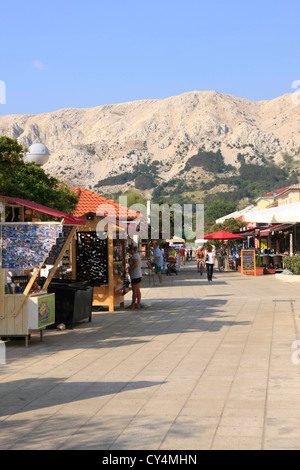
207 366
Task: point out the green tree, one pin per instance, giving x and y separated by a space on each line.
288 159
133 197
209 161
229 225
144 182
218 208
27 181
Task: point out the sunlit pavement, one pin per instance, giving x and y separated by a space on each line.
204 365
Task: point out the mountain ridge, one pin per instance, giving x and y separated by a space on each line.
88 145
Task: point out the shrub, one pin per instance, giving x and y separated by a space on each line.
259 263
144 182
292 263
209 161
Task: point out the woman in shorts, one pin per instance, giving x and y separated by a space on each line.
135 273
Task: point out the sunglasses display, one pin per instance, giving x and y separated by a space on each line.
92 259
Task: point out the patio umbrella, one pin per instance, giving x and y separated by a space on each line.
221 235
286 214
175 240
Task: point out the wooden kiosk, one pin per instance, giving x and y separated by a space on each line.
25 245
101 269
109 280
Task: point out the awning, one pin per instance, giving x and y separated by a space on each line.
68 219
266 231
286 214
247 233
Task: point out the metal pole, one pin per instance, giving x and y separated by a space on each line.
2 352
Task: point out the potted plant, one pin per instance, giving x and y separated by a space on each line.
259 266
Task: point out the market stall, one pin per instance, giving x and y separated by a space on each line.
102 258
101 262
26 242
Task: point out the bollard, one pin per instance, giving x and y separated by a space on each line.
2 352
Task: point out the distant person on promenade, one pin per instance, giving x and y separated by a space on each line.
200 256
157 262
210 261
182 255
135 273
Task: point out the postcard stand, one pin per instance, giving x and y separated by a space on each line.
27 312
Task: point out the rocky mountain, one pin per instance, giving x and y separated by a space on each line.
89 145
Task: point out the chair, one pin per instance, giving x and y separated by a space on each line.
147 272
277 262
266 261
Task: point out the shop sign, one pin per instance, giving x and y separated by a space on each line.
46 310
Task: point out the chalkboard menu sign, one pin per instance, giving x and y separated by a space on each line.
248 261
92 259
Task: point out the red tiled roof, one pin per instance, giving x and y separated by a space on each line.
100 205
277 191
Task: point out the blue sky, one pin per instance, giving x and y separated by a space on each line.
57 54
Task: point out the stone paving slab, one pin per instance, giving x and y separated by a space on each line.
207 365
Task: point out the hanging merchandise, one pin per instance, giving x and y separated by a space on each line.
92 258
56 249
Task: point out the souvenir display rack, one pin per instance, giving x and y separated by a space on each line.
25 306
64 270
110 283
121 263
92 259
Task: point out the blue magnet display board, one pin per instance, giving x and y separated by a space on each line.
25 246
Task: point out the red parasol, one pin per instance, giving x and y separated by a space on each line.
222 235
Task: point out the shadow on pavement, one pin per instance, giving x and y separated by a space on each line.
26 395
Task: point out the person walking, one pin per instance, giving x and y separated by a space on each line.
182 256
158 261
135 273
210 261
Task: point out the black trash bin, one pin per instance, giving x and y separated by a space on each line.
73 301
